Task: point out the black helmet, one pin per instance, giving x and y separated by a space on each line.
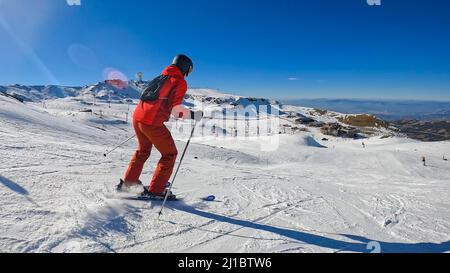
183 63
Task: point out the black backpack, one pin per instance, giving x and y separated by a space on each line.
151 92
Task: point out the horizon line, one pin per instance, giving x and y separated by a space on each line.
355 99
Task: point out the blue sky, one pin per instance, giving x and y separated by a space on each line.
279 49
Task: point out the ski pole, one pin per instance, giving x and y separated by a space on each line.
178 168
118 146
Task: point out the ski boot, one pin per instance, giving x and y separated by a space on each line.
149 195
124 186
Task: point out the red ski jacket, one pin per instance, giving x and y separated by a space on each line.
172 93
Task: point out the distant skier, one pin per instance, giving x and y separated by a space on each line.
364 145
148 123
424 160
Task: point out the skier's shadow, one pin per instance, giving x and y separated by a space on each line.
360 244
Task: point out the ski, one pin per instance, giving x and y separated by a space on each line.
150 198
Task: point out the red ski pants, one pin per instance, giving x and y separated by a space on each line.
149 136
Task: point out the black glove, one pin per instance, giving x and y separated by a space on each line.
197 115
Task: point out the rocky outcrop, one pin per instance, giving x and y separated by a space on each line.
436 130
304 120
363 121
337 130
13 96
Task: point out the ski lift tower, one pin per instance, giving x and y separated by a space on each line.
139 77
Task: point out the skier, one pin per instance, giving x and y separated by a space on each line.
148 123
424 160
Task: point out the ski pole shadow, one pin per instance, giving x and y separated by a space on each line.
13 186
359 245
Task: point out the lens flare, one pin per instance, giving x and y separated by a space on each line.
82 56
115 78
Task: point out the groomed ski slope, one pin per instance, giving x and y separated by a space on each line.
57 191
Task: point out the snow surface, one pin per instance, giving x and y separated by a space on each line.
208 93
57 191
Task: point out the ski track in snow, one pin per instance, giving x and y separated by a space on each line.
57 191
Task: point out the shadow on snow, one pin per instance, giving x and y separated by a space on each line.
13 186
360 246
